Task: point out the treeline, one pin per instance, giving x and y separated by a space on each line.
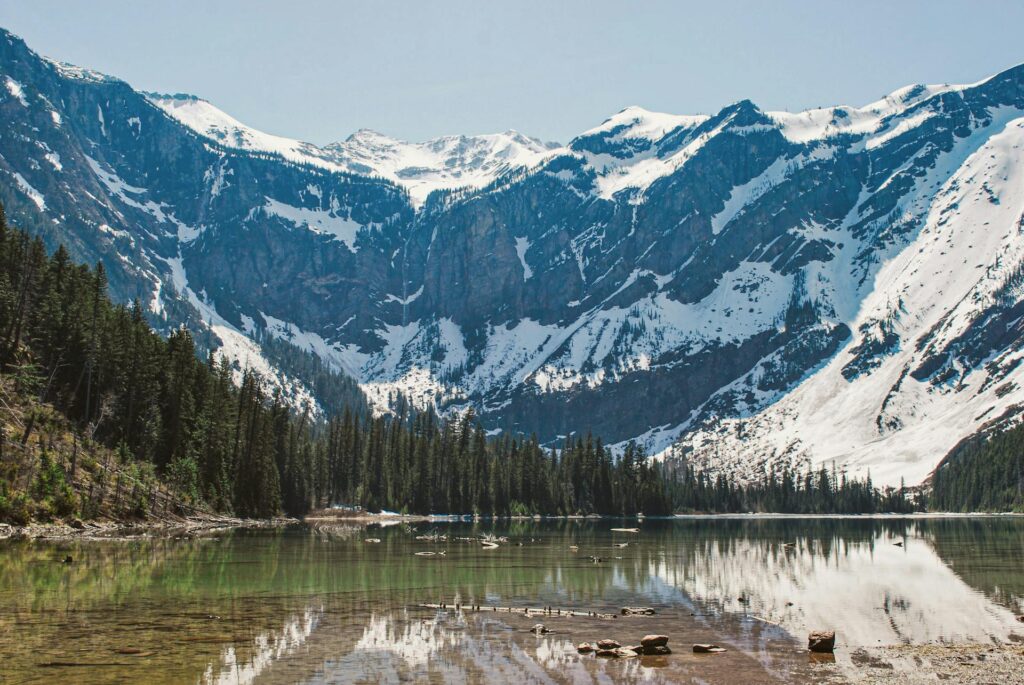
985 473
789 492
427 465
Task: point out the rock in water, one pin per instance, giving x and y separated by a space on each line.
608 644
654 640
822 641
707 649
663 650
584 648
605 653
68 559
540 629
626 653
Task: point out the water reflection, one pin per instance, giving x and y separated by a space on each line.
321 605
265 649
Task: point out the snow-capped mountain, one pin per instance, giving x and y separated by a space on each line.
741 289
421 168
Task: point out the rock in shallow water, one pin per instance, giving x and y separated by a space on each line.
654 640
822 641
656 650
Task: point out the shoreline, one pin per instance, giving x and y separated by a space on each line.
109 529
114 530
966 663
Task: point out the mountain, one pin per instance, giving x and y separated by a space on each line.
419 168
740 290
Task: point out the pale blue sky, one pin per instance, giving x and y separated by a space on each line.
320 70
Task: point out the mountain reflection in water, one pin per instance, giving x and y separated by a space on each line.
319 605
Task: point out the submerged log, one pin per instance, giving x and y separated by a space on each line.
637 611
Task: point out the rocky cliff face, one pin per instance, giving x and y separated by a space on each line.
755 287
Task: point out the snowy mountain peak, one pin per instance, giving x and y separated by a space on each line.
441 163
637 122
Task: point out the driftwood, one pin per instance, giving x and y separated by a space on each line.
637 611
526 611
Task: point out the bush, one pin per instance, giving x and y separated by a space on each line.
14 508
54 497
183 477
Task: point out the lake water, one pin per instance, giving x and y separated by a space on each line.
322 605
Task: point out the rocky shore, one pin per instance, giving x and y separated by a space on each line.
964 664
110 529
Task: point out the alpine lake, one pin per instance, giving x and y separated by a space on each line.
341 602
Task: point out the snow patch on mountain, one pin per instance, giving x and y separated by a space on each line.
324 222
16 90
37 198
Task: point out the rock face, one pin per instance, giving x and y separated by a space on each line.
852 274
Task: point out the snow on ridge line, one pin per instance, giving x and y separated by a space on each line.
448 162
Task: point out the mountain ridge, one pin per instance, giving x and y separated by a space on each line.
666 278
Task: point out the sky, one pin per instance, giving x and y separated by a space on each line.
318 71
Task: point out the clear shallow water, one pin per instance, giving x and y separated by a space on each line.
320 605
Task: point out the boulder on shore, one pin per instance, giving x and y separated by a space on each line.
822 641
